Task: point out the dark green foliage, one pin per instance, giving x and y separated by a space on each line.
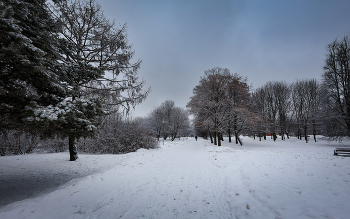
28 62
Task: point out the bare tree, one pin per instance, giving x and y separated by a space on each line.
238 116
299 106
283 101
272 103
169 119
336 86
306 105
258 106
219 103
209 102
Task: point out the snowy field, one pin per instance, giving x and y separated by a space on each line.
182 179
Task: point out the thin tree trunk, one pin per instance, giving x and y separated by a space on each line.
237 139
314 130
219 139
72 148
305 130
211 137
215 138
229 133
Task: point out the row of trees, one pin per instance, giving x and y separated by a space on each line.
223 103
287 108
64 68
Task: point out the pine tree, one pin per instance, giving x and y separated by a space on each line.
28 63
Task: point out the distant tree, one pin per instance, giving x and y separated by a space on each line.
299 106
336 86
209 101
272 108
272 103
219 103
315 92
97 69
283 101
155 120
258 105
239 114
306 105
169 120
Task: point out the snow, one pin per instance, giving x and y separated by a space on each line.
188 179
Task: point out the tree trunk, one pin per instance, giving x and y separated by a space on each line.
72 149
215 138
237 139
211 137
235 127
314 130
305 130
219 139
19 144
229 132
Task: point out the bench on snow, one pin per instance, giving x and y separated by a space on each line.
342 151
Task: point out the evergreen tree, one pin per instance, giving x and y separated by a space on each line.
97 69
29 69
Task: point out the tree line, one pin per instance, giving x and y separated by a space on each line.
224 103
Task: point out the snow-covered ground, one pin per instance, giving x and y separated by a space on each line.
185 179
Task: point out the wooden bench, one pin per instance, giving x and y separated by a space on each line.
342 151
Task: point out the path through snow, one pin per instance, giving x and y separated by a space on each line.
194 179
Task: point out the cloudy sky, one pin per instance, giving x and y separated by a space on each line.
263 40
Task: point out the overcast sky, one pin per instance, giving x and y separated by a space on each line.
263 40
